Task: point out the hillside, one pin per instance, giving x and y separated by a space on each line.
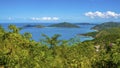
104 32
65 25
106 25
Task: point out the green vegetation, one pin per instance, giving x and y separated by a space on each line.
65 25
20 51
106 25
104 29
103 32
92 34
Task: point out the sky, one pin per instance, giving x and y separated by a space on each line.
59 11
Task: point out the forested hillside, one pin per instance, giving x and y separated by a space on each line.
106 25
20 51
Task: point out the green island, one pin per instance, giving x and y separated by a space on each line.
64 25
36 26
20 51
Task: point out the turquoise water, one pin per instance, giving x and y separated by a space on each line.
66 33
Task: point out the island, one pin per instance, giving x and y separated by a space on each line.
65 25
36 26
86 23
106 25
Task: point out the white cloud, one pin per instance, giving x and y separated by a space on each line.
10 18
45 18
98 14
55 18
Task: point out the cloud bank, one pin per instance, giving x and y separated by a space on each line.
98 14
45 18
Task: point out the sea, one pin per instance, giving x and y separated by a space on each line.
66 33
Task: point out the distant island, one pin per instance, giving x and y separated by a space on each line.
85 24
65 25
106 25
37 26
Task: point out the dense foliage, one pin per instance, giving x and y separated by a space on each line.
92 34
20 51
106 25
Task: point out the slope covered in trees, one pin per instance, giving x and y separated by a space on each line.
20 51
104 29
106 25
103 32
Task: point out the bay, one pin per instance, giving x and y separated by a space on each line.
66 33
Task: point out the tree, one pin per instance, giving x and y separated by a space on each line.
14 28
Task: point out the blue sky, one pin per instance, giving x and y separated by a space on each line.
59 10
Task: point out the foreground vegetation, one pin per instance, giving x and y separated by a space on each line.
20 51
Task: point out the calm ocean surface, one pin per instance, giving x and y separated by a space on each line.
66 33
